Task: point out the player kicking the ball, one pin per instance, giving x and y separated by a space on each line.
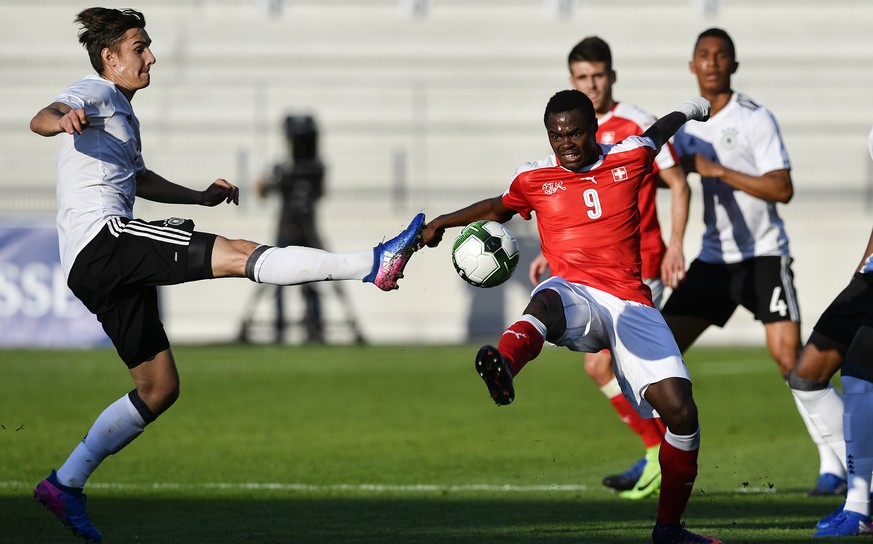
113 262
592 72
585 199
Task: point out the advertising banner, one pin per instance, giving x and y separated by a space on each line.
37 308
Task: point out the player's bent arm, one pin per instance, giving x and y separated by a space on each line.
58 117
673 263
490 209
774 186
152 186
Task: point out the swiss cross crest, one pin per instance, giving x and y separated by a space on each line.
619 174
551 188
607 137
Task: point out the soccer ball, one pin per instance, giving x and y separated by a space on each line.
485 254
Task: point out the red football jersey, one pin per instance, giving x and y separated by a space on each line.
589 221
625 120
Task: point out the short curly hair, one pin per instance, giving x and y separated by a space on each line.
570 100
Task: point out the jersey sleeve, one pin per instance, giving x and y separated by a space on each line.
78 97
515 199
767 146
666 158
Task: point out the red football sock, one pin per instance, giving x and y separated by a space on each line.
520 343
678 472
648 429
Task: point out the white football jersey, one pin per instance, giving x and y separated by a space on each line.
744 136
96 169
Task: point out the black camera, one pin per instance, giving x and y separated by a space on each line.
302 134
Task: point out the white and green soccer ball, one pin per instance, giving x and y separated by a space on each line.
485 254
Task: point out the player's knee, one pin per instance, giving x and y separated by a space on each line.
682 420
785 359
783 342
599 367
673 400
166 399
158 397
548 307
235 258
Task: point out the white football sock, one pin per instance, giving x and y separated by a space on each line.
611 389
824 410
535 323
115 428
689 442
858 396
294 265
828 460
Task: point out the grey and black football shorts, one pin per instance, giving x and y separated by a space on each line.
116 276
712 291
851 309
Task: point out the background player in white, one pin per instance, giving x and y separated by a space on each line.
745 259
585 199
591 71
113 262
842 339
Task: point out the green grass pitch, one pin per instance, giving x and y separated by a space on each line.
346 444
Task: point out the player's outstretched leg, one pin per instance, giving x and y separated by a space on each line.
675 533
68 505
496 374
390 257
627 479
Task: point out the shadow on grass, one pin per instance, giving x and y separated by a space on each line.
424 519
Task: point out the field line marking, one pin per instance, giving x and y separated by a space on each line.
756 490
369 488
366 488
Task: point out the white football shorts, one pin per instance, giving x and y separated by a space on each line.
642 346
656 285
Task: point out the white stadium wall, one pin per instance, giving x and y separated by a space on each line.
427 106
